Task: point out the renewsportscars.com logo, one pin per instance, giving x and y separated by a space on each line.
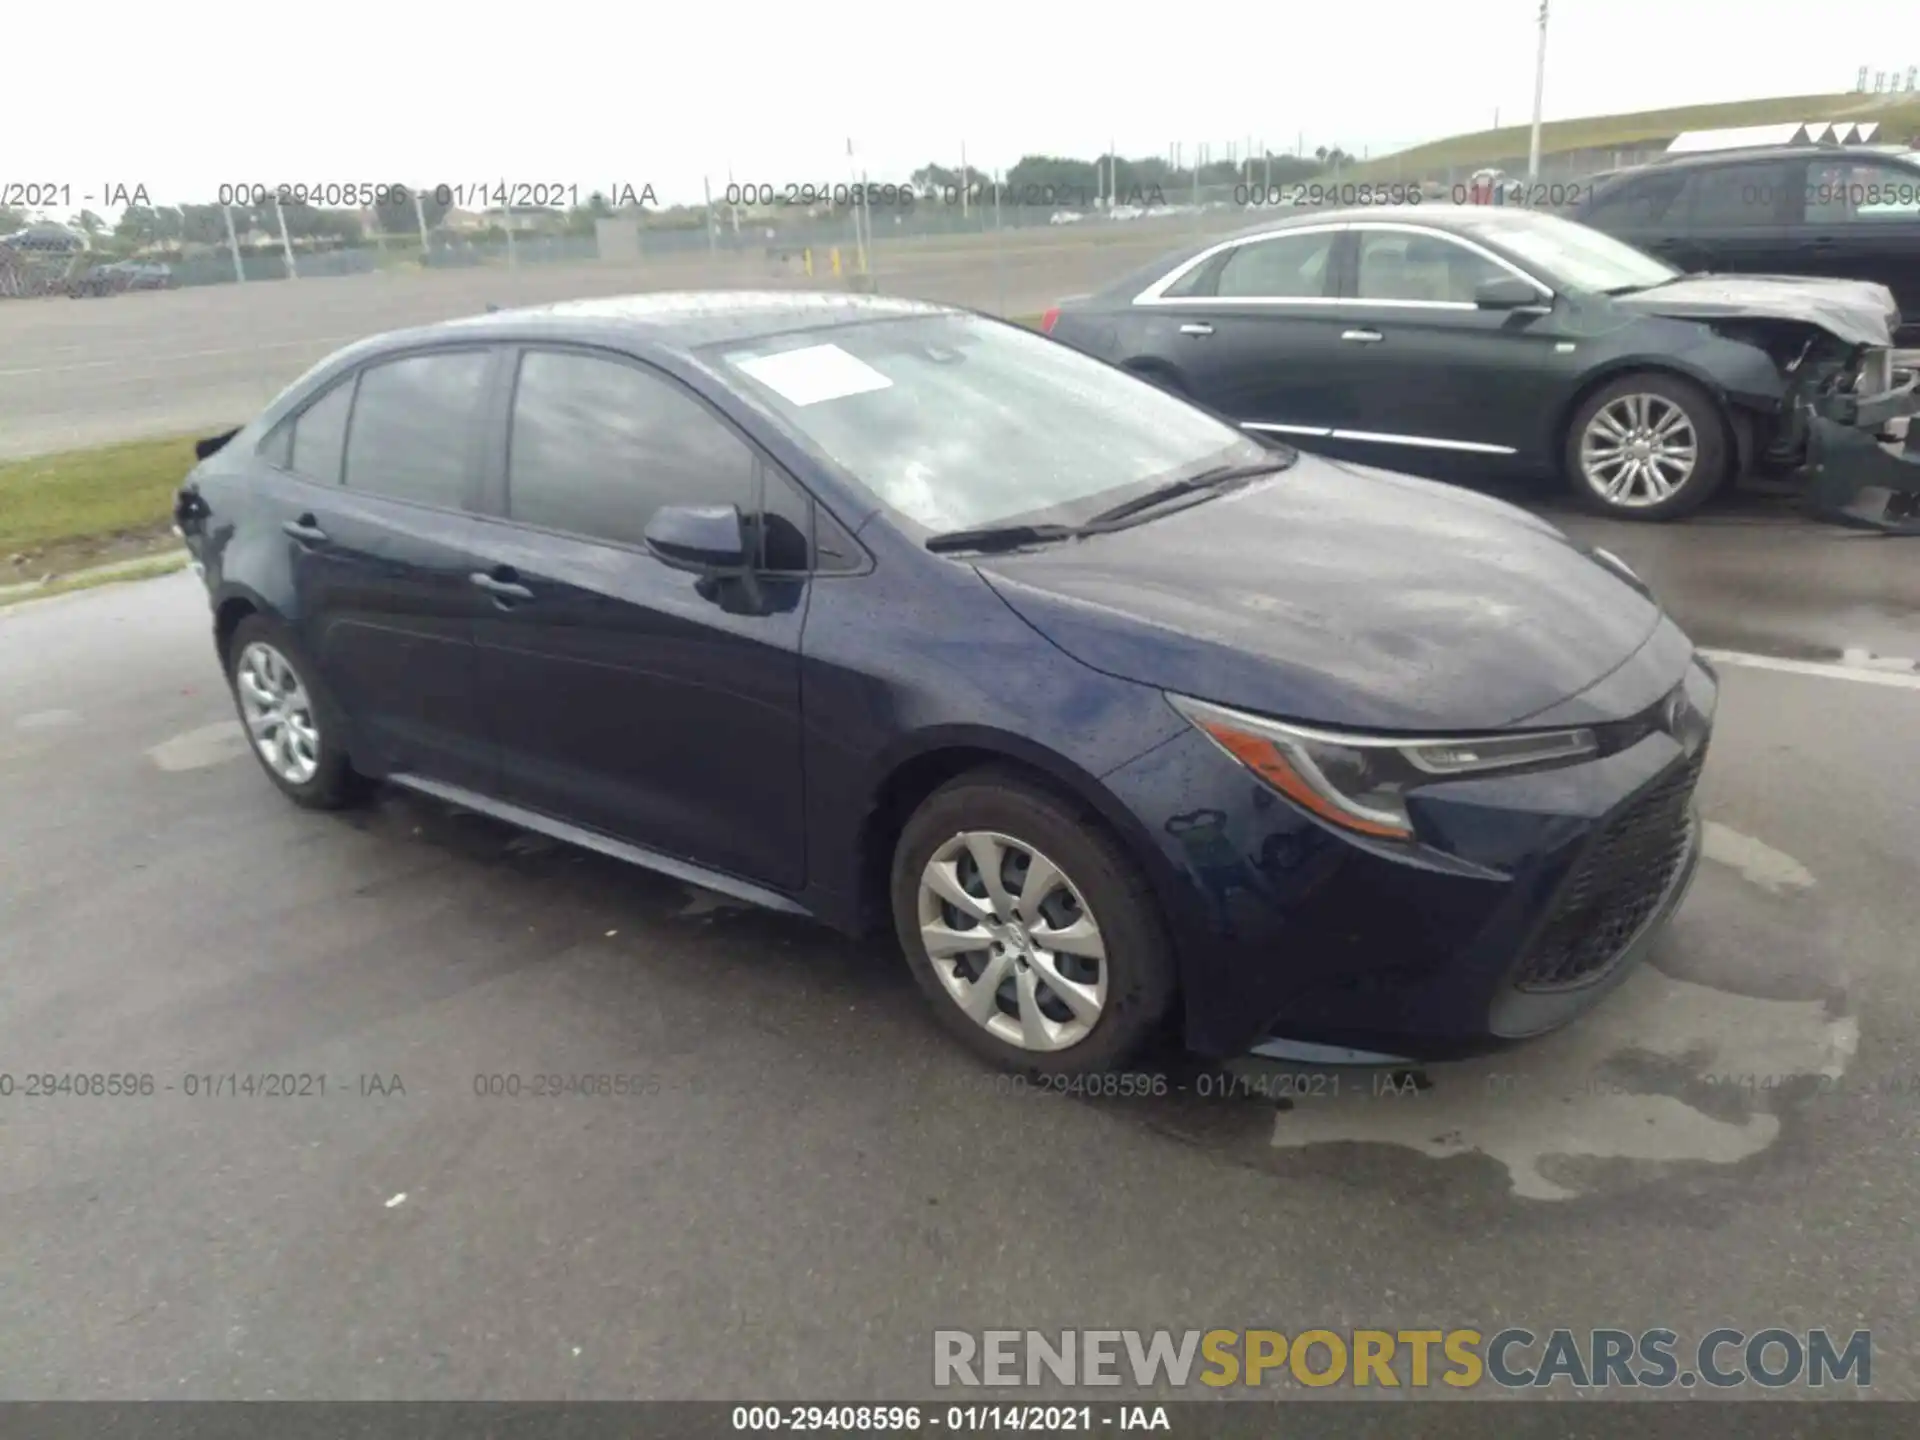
1513 1358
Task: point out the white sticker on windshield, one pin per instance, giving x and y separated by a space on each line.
813 374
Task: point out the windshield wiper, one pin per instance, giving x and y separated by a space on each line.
1174 489
1011 537
1000 537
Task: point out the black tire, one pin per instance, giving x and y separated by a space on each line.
1712 453
334 782
1139 966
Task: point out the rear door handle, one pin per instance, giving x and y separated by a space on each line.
1194 327
1364 337
500 589
305 531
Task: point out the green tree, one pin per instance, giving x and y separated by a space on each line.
398 216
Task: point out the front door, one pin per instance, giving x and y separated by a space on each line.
1862 222
627 697
1427 374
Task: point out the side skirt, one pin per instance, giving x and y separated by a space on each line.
685 870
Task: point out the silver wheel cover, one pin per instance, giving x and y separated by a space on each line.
1012 941
278 714
1638 450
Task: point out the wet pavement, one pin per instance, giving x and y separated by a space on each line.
805 1181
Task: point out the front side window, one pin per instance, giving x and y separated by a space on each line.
1568 255
1844 190
412 429
1397 265
956 421
598 445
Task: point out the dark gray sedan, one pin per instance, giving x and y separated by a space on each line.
1473 342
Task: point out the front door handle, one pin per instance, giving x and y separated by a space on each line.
1194 327
499 588
1364 337
306 531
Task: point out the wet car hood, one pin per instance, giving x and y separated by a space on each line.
1342 595
1856 311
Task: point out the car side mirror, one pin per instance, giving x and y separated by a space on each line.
1509 292
705 540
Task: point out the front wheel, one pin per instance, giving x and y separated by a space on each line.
1035 939
1646 447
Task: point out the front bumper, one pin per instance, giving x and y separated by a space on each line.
1292 934
1863 458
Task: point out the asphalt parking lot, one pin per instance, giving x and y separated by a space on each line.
810 1181
75 373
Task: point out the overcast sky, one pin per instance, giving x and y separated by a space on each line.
181 99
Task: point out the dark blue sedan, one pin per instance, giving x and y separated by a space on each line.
895 615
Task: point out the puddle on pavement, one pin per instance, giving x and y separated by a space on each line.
1663 1071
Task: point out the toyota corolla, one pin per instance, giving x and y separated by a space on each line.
900 617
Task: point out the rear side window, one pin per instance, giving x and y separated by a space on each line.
1284 267
320 436
598 445
1742 197
1635 203
413 425
313 442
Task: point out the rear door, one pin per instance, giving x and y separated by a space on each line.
1640 210
384 470
1740 218
633 699
1251 328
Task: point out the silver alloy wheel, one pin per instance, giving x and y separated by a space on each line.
1638 450
278 714
1012 940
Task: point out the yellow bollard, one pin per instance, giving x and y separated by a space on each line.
836 259
807 255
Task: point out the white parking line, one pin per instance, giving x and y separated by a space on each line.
1820 669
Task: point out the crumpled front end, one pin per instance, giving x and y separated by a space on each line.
1841 426
1863 449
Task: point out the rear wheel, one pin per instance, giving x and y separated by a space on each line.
1034 938
291 723
1646 447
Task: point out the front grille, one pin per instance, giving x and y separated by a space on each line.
1617 886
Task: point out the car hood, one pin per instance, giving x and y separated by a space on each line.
1856 311
1339 595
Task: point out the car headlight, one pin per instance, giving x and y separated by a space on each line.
1360 782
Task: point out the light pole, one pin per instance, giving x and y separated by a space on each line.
1539 90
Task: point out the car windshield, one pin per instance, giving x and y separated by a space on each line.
1571 256
957 422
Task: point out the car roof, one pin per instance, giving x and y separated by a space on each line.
1743 154
679 320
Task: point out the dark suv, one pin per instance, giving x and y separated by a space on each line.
1851 214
